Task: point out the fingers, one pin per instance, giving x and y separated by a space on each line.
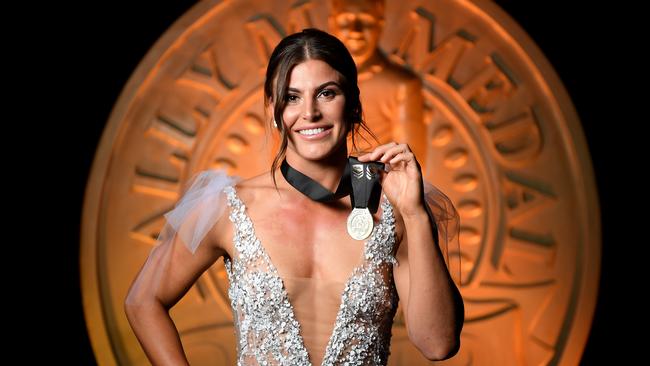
377 152
380 151
390 153
404 156
393 153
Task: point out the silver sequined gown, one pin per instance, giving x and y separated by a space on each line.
267 329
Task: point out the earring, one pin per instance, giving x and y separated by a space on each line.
275 124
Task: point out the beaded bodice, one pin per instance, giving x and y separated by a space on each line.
266 327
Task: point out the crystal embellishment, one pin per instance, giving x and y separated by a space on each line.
266 328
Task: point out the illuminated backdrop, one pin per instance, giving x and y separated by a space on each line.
500 137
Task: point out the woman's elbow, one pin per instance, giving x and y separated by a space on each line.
137 299
441 352
140 310
132 304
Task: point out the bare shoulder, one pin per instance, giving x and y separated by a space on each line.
253 192
256 190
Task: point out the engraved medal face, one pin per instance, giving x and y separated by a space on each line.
360 223
470 93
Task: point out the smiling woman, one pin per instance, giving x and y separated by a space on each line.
303 290
574 49
311 82
314 109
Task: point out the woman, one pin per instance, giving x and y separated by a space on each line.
302 290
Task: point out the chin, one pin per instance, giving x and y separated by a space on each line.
317 153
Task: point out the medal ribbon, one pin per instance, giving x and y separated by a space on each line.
363 186
313 189
366 188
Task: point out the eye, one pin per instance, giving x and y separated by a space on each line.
328 93
292 98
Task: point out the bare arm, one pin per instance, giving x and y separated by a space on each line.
168 273
433 307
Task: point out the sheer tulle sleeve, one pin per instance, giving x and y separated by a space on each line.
199 208
447 223
171 269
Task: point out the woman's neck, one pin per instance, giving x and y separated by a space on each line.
326 173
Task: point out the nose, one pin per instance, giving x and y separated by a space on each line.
311 112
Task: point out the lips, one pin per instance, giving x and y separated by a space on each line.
327 130
326 127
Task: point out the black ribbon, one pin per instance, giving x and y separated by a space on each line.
364 190
366 186
313 189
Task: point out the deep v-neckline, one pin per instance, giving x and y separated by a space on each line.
285 295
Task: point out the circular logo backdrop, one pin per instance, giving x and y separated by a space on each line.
459 81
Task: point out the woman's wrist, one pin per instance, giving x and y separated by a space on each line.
414 214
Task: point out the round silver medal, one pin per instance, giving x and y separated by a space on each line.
360 223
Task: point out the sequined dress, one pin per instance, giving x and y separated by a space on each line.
267 308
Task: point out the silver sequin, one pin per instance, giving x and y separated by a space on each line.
266 328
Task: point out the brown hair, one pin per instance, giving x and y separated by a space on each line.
311 44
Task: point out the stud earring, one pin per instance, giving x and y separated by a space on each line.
275 124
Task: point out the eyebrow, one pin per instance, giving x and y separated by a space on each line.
319 88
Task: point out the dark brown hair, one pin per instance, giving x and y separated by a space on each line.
311 44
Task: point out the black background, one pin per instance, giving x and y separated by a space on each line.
92 52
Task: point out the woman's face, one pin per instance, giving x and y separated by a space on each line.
314 112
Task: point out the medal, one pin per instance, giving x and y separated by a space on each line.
360 223
364 197
359 180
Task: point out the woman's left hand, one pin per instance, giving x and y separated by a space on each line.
402 184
